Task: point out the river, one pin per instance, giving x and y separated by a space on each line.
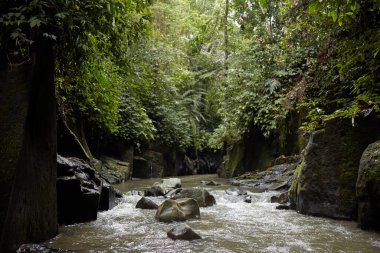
229 226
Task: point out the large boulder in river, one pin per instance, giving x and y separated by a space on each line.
329 170
79 192
202 196
177 210
145 203
183 232
368 188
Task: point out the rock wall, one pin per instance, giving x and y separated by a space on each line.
256 152
368 188
28 207
329 170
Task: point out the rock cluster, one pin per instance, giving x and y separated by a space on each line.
81 192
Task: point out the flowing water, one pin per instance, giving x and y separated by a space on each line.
229 226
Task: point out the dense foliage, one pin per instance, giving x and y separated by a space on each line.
196 73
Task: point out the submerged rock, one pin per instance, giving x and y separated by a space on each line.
202 196
178 210
145 203
368 188
183 232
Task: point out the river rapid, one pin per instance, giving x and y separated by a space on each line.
229 226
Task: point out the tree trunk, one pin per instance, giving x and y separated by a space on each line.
77 130
226 37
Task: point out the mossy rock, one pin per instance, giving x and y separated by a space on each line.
368 188
324 185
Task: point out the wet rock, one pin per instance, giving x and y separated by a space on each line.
177 210
145 203
155 191
163 187
278 177
368 188
118 194
281 199
141 168
114 170
210 183
326 184
78 191
155 161
202 196
37 248
183 232
172 183
189 166
236 191
248 199
172 193
283 207
136 193
111 178
107 197
287 159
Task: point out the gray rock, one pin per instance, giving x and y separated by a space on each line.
78 195
248 199
202 196
281 199
145 203
172 193
329 170
368 188
236 191
107 197
183 232
173 183
283 207
141 168
178 210
210 183
163 187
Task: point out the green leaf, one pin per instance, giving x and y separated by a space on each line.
34 21
263 5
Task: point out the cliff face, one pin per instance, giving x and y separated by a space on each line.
325 183
28 208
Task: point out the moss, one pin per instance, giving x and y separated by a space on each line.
232 163
293 190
